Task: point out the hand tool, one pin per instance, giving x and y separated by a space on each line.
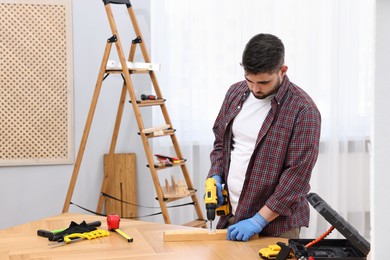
280 251
47 233
113 225
73 228
211 202
168 159
81 236
148 97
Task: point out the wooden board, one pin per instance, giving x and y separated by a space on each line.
121 184
194 235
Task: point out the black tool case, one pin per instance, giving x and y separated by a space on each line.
354 247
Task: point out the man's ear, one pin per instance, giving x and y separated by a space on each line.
284 69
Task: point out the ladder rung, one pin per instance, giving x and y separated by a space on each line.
147 103
191 193
126 2
132 71
200 223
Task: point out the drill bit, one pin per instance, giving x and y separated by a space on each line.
211 230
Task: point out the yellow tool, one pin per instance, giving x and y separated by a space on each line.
269 252
78 236
278 251
211 201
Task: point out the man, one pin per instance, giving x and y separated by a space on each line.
267 136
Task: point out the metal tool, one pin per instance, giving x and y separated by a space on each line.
47 233
211 202
113 225
148 97
278 251
81 236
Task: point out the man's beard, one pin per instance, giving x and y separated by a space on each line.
275 89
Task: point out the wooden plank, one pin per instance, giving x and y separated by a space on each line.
194 235
121 184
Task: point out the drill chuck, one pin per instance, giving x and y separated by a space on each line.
210 208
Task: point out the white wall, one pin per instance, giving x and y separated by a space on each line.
29 193
380 179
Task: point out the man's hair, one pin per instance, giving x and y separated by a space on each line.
264 53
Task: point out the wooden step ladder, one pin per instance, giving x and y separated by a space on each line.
127 70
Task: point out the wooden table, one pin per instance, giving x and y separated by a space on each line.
22 242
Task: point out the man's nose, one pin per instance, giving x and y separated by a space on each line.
256 87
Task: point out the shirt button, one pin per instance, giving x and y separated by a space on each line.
238 107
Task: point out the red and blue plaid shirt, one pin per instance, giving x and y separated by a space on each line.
285 153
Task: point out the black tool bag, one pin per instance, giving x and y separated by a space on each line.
354 247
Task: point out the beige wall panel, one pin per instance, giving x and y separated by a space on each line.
36 82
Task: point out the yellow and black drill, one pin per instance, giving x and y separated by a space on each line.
211 202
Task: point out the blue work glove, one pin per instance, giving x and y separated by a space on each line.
218 180
246 228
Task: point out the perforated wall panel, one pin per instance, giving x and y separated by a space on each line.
36 82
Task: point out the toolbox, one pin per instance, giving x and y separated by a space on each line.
354 247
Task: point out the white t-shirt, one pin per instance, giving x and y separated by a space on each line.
246 127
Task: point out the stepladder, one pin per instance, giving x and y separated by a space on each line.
128 68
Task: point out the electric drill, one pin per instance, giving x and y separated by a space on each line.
211 201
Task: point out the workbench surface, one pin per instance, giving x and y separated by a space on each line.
22 242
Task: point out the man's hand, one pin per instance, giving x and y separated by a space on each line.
218 180
246 228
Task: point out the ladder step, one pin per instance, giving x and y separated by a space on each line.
169 200
126 2
111 64
147 103
132 71
199 223
156 130
179 195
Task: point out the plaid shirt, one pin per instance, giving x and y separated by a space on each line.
285 153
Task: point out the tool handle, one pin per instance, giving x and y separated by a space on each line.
92 224
87 235
44 233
